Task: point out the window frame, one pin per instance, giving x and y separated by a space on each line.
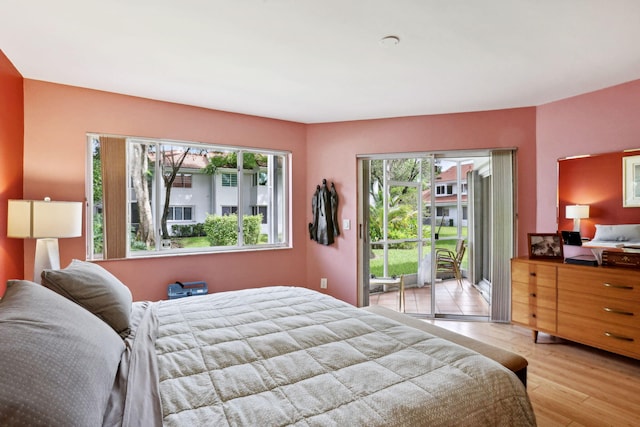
280 232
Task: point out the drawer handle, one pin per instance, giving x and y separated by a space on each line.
609 285
618 337
533 315
532 294
532 274
616 311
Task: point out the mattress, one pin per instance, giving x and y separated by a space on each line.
281 355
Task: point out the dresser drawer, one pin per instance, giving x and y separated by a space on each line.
609 310
536 318
534 295
538 274
606 282
616 338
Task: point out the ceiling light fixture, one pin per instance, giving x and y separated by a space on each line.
390 41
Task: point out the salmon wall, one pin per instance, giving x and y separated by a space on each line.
57 119
11 152
333 148
593 123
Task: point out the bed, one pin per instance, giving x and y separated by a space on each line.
615 236
77 351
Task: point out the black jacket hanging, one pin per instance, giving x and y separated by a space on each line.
324 208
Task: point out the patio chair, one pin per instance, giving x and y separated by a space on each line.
448 261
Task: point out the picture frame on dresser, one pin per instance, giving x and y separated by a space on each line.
545 246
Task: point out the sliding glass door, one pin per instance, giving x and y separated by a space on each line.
419 216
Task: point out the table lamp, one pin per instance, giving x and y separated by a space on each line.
577 212
46 221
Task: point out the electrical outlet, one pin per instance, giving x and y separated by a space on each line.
346 224
323 283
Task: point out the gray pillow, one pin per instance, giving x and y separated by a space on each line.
617 232
95 289
58 362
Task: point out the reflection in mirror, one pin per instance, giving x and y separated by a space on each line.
595 181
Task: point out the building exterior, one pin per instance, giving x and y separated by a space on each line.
196 194
447 188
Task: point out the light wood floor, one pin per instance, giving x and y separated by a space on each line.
569 384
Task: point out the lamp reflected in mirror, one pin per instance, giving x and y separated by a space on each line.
577 212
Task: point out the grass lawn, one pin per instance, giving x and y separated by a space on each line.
405 261
191 242
401 261
203 242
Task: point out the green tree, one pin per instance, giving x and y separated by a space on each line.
97 172
230 160
400 170
403 210
172 161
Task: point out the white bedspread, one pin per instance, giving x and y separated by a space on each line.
290 356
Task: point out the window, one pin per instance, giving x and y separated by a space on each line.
180 213
441 211
229 179
260 178
182 180
161 181
444 190
229 210
260 210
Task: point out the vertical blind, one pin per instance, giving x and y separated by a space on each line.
114 197
503 233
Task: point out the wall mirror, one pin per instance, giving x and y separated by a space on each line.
597 181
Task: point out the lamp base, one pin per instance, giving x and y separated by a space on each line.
47 257
576 224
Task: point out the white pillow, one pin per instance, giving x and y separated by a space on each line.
617 232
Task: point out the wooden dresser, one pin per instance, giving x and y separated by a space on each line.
597 306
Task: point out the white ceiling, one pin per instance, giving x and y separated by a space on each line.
322 61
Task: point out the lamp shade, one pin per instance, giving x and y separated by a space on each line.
44 219
577 211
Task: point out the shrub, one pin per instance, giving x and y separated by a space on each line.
188 230
222 230
401 224
251 229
